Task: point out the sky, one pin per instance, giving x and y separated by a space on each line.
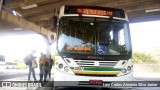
145 37
20 45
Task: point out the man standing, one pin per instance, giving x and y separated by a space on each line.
42 66
31 69
46 67
50 65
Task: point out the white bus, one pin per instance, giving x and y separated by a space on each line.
93 46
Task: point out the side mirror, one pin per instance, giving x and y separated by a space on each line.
54 22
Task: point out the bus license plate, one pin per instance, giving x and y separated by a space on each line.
95 82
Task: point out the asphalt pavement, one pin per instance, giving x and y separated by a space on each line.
21 75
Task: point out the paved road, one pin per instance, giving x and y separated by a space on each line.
109 89
21 75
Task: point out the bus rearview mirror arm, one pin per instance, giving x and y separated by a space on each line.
54 22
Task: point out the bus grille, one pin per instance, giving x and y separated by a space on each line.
91 63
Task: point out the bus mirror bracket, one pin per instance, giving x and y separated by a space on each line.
54 22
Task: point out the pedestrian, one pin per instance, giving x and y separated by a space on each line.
31 69
50 65
46 67
42 67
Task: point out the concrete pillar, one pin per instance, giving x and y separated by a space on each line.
49 44
48 51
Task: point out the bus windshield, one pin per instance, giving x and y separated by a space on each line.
96 36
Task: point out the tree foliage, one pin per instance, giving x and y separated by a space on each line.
143 57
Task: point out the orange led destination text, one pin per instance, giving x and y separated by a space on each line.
94 12
77 48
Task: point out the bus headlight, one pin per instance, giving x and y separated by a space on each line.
60 65
129 68
66 69
124 70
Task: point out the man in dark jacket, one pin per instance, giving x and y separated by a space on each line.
50 65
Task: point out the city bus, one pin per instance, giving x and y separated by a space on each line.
93 46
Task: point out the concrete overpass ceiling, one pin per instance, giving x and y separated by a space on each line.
7 28
41 11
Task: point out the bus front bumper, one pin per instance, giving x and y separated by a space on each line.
62 79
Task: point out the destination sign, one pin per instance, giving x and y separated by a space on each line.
94 10
78 48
